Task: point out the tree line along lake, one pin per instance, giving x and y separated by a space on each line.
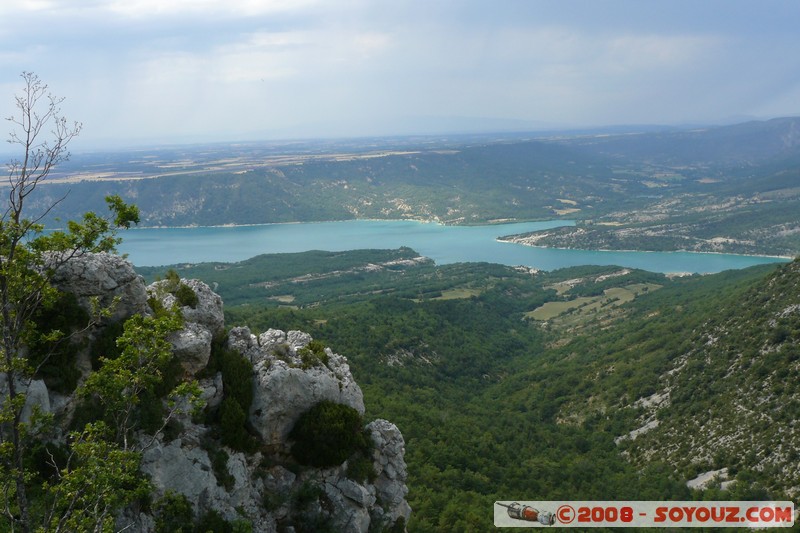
443 244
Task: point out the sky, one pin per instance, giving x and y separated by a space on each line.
153 71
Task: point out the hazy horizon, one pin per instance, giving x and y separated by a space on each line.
150 72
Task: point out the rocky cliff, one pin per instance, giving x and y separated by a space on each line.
261 485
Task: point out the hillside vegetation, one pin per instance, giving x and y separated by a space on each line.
497 403
730 400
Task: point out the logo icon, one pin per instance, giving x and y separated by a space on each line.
527 513
565 514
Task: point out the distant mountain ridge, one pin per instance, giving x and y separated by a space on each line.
750 142
724 189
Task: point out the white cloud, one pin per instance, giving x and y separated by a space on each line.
36 5
183 65
240 8
658 52
370 44
259 57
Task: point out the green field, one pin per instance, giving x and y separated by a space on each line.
459 294
584 308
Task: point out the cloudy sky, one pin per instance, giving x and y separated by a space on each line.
184 70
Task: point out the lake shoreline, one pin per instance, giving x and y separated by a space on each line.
442 243
496 223
625 250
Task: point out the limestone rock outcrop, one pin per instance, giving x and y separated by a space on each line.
288 379
108 278
37 396
290 374
208 312
285 386
184 467
360 507
203 321
390 470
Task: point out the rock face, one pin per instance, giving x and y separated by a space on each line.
94 279
36 395
370 507
286 383
109 278
182 466
265 496
284 386
208 312
283 389
291 373
390 467
203 321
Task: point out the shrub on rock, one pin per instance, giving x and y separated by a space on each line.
328 434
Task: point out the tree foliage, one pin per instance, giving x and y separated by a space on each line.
327 434
80 486
237 372
121 383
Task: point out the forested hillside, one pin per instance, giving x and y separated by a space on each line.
731 398
512 385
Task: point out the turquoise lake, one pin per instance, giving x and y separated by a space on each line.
443 244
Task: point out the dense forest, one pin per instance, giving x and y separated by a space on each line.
496 404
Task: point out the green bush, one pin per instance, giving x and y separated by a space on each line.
158 308
173 514
151 406
232 419
56 356
219 464
361 468
272 501
313 355
173 280
46 460
183 293
150 412
237 384
186 296
88 410
305 494
213 522
241 526
105 345
327 434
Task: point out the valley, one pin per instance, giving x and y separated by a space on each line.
557 370
586 382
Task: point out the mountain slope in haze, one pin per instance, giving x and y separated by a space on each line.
739 144
726 189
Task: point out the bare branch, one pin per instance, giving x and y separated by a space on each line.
40 156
